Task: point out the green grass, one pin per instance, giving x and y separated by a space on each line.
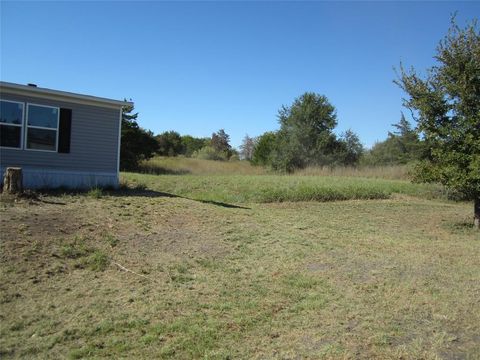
95 193
280 188
84 255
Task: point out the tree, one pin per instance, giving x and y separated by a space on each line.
408 143
446 104
170 143
351 149
192 144
306 133
401 146
221 141
263 150
247 147
136 143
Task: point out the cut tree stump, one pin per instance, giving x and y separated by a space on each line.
13 181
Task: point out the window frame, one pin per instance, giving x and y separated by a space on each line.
16 125
41 128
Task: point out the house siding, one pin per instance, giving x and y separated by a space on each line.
93 143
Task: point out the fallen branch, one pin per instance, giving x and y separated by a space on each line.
133 272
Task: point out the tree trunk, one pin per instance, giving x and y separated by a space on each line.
13 181
476 212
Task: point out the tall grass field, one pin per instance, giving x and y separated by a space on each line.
160 165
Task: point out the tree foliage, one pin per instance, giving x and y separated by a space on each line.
446 104
401 147
350 149
219 147
136 143
264 148
170 144
192 144
306 133
221 141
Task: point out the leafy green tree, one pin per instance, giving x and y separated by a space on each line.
401 147
264 148
137 144
170 144
447 107
306 133
382 153
407 141
192 144
350 148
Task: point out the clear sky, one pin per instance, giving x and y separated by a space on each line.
196 67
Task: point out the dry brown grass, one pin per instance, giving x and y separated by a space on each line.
394 172
182 165
380 279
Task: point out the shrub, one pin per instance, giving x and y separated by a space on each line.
95 193
209 153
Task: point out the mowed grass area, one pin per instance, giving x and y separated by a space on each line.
217 274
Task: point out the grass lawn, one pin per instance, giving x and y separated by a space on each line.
220 268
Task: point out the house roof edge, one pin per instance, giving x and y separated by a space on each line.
62 95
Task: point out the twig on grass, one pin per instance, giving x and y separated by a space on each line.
133 272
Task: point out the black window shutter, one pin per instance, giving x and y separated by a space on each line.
64 130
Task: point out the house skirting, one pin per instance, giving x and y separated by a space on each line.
34 178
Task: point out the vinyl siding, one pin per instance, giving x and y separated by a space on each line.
93 144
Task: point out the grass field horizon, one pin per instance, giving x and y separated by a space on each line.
229 266
180 165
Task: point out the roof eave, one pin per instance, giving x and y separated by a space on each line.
62 95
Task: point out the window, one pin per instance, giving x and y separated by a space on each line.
11 124
42 127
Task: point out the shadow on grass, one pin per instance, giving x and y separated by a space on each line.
123 191
217 203
29 196
158 170
461 227
153 193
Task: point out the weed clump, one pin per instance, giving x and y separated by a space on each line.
85 256
95 193
76 249
97 261
111 240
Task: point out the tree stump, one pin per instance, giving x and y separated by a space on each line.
13 181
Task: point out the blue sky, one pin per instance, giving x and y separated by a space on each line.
196 67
